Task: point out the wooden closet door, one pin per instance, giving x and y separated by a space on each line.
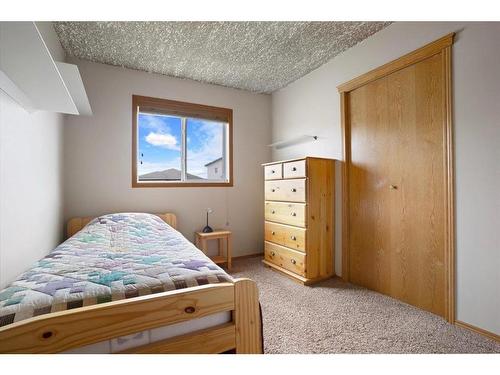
396 189
369 195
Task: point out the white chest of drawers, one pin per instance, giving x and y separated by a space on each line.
299 218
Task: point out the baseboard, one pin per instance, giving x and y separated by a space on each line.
481 331
248 256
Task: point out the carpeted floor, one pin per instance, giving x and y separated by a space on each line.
337 317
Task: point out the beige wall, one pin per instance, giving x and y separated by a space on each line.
30 186
311 106
97 155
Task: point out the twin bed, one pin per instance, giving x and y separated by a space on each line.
128 283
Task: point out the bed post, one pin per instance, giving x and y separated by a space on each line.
247 317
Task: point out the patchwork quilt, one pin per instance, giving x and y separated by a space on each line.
114 257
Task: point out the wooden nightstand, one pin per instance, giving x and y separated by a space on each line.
221 235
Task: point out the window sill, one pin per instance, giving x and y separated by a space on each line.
136 184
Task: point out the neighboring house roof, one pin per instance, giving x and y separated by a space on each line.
213 161
167 174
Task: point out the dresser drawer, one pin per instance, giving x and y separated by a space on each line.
294 169
286 258
273 172
292 237
286 190
286 213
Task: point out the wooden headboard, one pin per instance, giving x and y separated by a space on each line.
75 224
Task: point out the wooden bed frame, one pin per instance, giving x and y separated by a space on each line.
69 329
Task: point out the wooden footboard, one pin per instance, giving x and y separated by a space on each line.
61 331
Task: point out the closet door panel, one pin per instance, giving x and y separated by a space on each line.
369 209
402 116
425 197
417 241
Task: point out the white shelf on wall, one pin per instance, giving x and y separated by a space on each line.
294 141
74 83
31 76
11 89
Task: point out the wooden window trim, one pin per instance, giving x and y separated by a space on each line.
173 107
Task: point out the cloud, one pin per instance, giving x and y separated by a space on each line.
156 123
163 140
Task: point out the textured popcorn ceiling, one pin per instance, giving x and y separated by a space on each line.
256 56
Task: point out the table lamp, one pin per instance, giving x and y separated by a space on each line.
207 228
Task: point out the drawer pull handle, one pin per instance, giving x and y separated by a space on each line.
189 309
294 169
293 261
273 190
272 253
47 334
294 190
273 171
273 212
293 238
273 233
294 214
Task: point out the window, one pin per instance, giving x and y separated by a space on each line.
180 144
